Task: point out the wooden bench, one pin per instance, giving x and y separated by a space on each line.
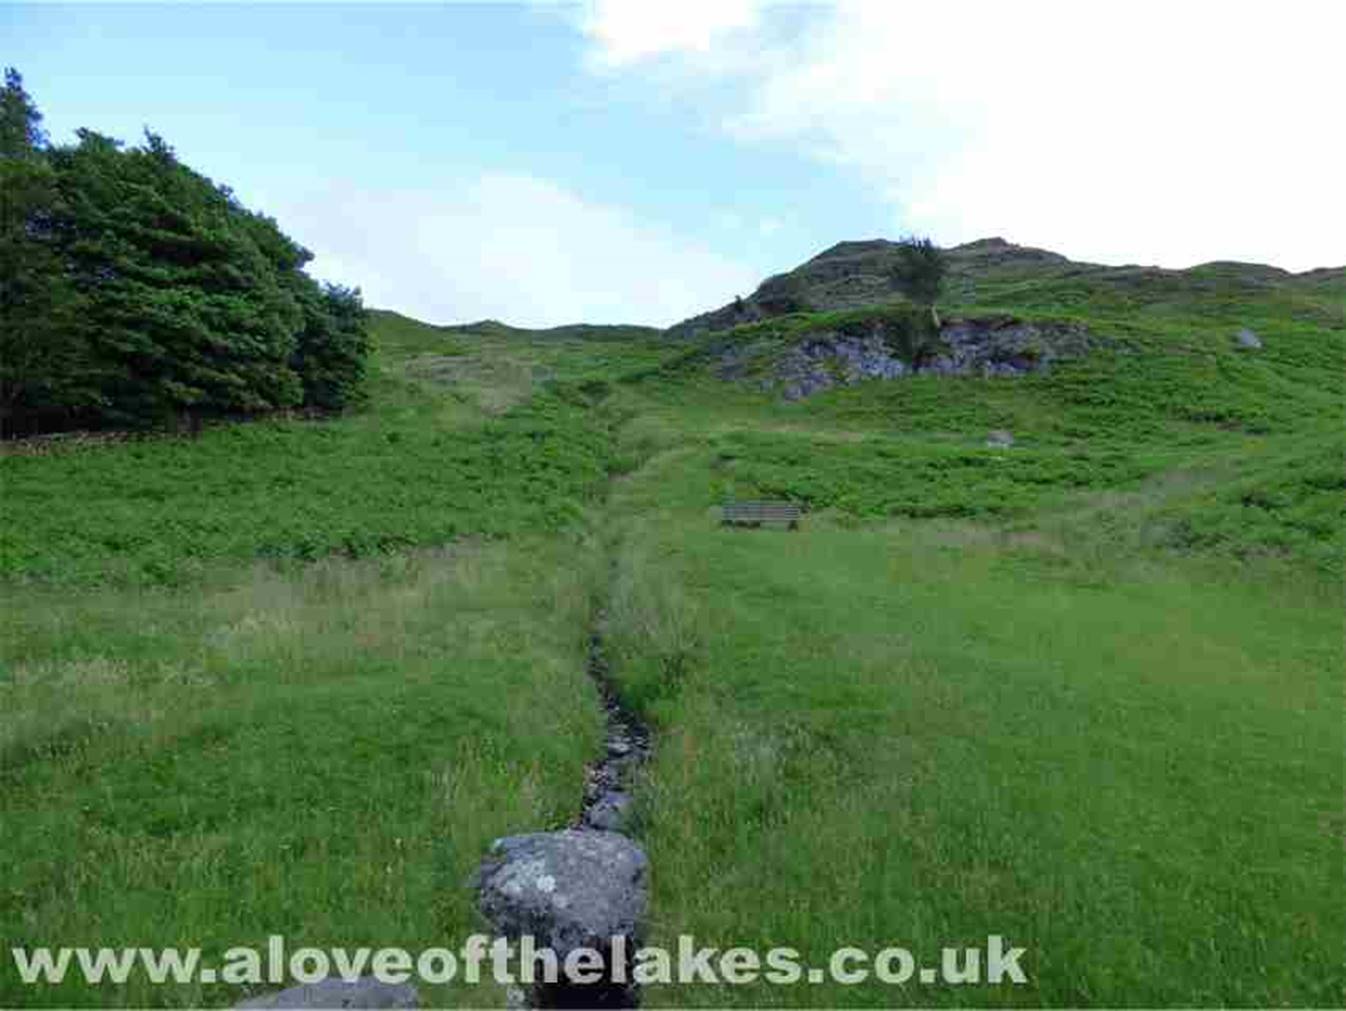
754 514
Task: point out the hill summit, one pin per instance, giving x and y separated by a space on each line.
858 273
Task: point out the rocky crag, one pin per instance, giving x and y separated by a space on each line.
815 359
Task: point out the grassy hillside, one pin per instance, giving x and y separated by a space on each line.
1084 691
511 444
1197 443
853 275
489 328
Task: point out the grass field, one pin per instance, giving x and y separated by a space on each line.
323 754
919 734
1085 693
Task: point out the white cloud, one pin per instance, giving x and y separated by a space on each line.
509 247
1159 133
626 31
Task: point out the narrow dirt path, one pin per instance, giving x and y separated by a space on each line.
583 886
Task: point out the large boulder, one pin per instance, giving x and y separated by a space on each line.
569 889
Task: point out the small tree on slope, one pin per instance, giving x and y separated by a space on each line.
918 271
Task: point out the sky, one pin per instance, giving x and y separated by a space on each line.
638 161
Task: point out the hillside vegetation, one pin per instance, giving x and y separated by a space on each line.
1243 448
1082 690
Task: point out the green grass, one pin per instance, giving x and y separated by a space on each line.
292 677
923 734
420 468
324 754
493 367
884 477
1103 720
159 510
1085 692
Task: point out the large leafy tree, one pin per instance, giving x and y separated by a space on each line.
138 292
21 131
333 347
181 300
46 373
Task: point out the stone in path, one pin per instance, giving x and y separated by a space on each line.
610 812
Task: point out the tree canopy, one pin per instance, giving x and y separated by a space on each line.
136 292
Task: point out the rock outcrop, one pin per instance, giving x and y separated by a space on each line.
1006 346
996 345
828 360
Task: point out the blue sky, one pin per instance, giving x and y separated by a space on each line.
623 160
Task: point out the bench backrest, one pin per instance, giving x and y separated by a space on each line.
761 512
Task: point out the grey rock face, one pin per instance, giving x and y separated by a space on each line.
985 346
567 889
828 359
365 992
1003 346
1246 338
